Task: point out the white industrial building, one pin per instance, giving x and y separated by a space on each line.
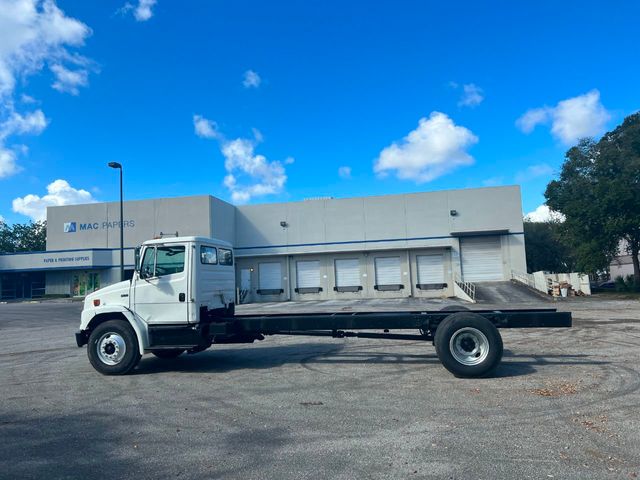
380 246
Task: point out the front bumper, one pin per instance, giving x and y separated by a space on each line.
81 338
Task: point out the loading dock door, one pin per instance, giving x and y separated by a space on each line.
481 259
270 278
308 274
348 275
388 272
430 269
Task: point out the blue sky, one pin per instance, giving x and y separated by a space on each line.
257 101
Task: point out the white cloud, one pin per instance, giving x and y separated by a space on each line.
205 128
69 80
251 79
24 98
534 171
571 119
435 148
493 181
544 214
59 192
142 12
472 96
32 123
248 174
8 165
528 122
344 172
241 161
33 33
16 124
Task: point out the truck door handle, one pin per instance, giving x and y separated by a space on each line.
181 297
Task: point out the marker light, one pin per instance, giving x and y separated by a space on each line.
96 302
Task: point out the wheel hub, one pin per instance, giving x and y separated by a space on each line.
469 346
111 348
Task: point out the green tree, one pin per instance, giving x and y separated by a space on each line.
23 237
6 238
30 237
545 249
598 192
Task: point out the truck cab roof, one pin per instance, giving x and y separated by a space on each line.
194 239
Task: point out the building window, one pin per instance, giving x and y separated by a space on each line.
226 256
208 255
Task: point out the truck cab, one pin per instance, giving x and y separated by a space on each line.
179 288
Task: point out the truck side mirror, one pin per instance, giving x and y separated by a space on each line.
146 272
137 259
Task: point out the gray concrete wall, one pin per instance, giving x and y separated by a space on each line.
222 220
143 220
373 223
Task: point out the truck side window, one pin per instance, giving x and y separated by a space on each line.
169 260
226 257
148 263
208 255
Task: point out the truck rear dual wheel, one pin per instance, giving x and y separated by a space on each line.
468 345
113 348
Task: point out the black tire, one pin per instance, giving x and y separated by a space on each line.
168 354
108 338
468 345
454 308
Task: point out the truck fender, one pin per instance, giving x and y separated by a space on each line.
107 312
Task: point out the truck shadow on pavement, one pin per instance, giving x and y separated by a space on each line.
317 356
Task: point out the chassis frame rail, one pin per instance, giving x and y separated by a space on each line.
328 324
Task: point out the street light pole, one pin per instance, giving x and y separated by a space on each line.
119 166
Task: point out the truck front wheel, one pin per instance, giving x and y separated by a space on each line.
113 348
468 345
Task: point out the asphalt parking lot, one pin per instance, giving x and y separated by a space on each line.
563 404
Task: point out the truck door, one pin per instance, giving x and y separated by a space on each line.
160 293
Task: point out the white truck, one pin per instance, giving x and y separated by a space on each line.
181 298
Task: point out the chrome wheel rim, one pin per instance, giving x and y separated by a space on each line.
111 348
469 346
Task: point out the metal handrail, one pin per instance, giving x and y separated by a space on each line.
467 287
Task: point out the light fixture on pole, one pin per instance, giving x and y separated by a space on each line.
119 166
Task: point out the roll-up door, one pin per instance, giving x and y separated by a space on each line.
481 259
430 271
270 278
348 275
308 276
388 274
